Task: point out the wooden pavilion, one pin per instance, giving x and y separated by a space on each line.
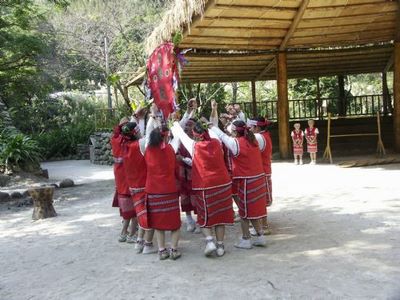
253 40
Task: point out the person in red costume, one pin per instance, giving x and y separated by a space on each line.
297 139
211 185
259 127
162 195
311 134
135 173
249 184
122 198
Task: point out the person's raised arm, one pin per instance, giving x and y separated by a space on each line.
229 142
214 113
187 142
189 113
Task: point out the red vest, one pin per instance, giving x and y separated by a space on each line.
249 161
297 135
310 134
134 165
160 177
267 152
208 165
119 171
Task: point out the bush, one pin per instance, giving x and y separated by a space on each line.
18 150
61 142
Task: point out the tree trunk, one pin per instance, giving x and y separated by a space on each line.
234 91
42 202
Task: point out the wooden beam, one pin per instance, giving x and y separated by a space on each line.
253 98
283 105
254 8
292 28
295 23
197 19
389 64
396 93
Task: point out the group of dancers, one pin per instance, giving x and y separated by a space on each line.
195 166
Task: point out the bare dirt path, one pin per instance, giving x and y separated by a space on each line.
336 236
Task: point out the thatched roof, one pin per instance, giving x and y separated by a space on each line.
236 40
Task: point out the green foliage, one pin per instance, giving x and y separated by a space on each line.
18 150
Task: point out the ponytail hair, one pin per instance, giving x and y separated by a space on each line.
242 130
156 137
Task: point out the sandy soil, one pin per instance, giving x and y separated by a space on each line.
336 236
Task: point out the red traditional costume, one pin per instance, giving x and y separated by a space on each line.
185 181
211 185
311 137
297 138
266 155
122 195
249 180
161 188
135 172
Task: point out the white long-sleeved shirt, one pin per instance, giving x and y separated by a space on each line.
230 142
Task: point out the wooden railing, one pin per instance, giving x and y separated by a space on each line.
303 109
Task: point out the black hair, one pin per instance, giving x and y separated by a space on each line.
198 128
262 119
156 137
127 130
250 137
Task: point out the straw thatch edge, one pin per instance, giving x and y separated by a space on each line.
177 18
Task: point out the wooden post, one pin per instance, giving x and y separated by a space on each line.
328 152
380 149
341 100
254 98
283 105
319 103
385 94
396 94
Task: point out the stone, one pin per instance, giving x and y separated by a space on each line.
25 193
4 179
4 197
55 185
66 183
16 195
108 146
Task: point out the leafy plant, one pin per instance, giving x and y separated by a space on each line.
18 150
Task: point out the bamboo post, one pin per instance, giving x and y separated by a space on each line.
396 93
380 148
283 105
328 152
254 98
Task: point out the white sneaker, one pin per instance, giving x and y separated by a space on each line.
220 250
139 247
260 241
301 162
210 248
296 162
197 230
190 227
131 239
243 244
253 232
149 248
122 238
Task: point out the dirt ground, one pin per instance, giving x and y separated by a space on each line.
336 235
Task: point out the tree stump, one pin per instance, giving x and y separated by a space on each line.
42 202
